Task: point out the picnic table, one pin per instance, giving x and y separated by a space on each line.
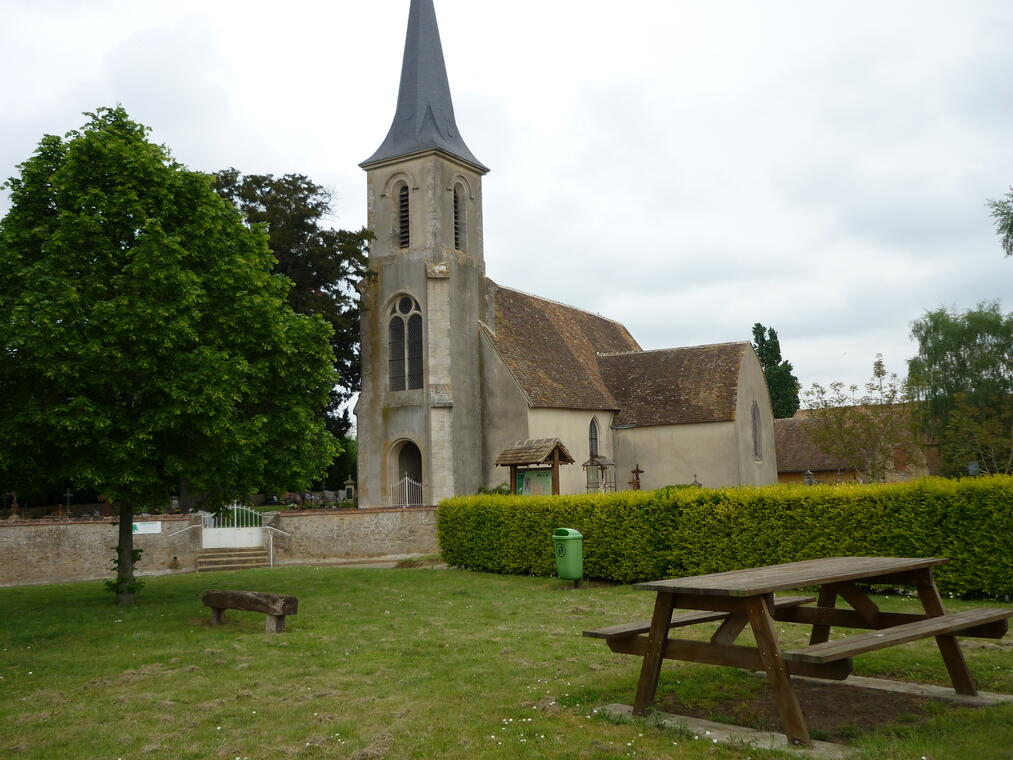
739 598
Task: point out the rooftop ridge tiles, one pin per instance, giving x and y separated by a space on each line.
672 349
560 303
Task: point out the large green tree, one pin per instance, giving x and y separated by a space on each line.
1002 213
324 264
143 336
782 384
963 377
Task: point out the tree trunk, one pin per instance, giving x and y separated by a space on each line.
125 555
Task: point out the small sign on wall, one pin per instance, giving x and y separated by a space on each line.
147 527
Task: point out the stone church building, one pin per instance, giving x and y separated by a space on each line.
457 368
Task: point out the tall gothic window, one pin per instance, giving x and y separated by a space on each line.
403 218
404 344
460 228
592 469
757 442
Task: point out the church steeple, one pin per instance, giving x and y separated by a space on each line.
425 111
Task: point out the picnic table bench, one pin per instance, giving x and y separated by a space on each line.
746 597
275 606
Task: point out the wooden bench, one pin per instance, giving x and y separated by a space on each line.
275 606
626 630
967 622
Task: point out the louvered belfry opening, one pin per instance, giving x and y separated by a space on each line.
404 233
458 220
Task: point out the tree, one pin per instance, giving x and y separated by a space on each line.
1002 212
781 383
325 264
983 444
963 375
143 337
870 432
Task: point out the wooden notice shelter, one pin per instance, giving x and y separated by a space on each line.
539 453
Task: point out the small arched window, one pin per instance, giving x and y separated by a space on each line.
460 223
404 344
592 438
404 237
757 440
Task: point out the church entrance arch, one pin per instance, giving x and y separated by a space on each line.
405 469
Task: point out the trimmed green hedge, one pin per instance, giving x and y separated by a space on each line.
633 536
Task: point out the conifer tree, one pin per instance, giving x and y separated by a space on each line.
781 383
325 265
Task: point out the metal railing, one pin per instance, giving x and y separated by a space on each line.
271 530
184 530
234 516
405 493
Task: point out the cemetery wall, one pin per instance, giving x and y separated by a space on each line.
56 551
319 536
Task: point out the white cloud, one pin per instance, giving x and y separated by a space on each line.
687 168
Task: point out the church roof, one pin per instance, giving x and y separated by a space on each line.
425 111
674 386
552 349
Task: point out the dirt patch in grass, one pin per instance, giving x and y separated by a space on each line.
377 749
835 712
434 562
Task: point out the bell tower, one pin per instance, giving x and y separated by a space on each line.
419 411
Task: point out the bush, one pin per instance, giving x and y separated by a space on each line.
634 536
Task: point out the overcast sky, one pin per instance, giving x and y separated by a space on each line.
687 168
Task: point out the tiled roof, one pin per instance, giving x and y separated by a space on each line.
553 349
675 386
797 452
534 451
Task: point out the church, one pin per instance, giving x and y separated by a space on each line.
467 384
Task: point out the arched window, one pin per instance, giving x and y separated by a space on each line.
757 441
460 222
592 468
404 344
403 218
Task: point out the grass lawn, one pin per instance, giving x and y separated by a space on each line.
410 663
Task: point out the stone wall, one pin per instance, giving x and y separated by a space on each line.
52 551
56 551
353 534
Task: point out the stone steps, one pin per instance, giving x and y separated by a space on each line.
211 560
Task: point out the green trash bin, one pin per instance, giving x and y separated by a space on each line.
569 545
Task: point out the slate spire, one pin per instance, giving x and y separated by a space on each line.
425 111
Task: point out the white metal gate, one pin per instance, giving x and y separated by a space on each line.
232 527
405 493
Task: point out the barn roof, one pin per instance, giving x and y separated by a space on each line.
796 450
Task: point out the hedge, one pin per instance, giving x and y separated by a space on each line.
634 536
